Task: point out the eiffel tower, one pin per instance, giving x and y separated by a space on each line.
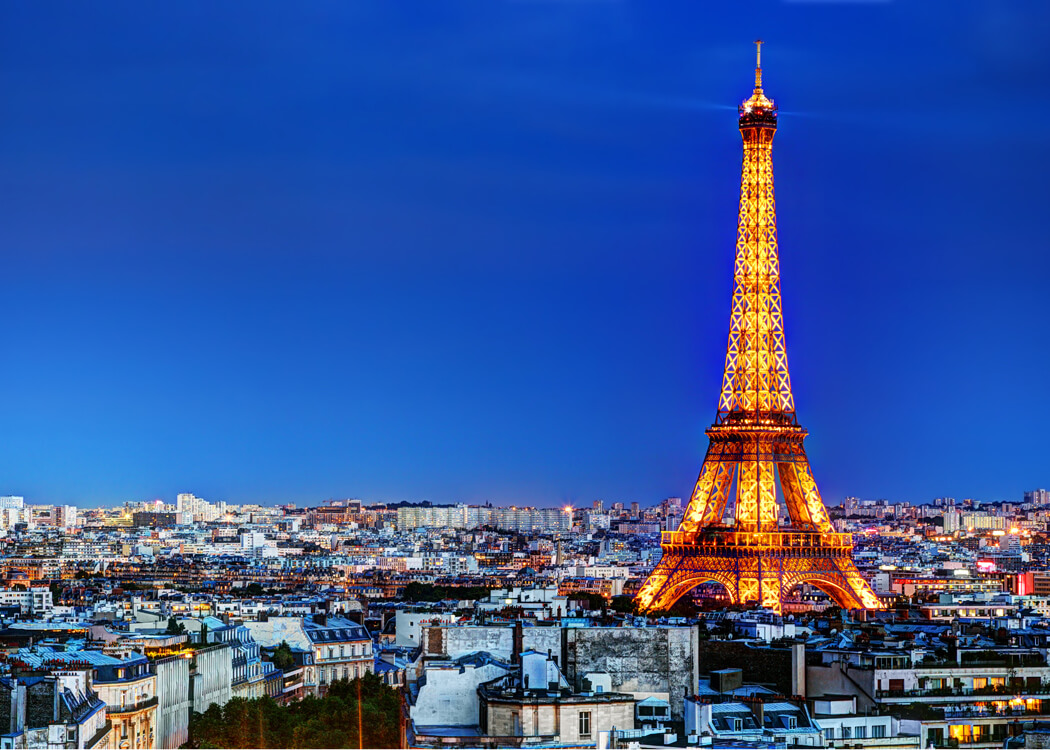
756 441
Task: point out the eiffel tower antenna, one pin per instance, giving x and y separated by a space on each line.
755 444
758 65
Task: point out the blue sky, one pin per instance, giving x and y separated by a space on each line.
272 252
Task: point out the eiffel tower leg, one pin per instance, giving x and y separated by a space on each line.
863 595
804 504
838 577
677 574
652 592
708 502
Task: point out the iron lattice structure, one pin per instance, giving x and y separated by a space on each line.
756 441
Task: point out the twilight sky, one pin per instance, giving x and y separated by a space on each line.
469 251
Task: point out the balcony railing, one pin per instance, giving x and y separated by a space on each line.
992 691
132 708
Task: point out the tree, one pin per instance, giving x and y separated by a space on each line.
364 712
175 627
283 658
593 601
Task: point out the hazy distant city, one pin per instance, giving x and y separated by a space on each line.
137 618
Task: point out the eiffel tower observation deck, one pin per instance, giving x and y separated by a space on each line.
755 448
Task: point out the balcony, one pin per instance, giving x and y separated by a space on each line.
990 692
131 708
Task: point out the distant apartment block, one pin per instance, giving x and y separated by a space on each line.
472 517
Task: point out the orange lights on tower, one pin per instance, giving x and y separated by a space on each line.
756 441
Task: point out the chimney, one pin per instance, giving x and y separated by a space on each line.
798 669
519 638
321 619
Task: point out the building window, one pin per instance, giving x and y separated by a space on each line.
846 733
862 732
585 724
738 724
878 731
515 720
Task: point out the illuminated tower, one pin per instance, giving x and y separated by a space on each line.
758 554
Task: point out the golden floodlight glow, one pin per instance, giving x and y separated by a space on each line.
756 440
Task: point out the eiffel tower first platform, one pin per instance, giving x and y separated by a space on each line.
756 441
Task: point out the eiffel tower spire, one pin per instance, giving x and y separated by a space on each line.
756 442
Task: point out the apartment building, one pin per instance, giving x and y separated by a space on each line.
338 648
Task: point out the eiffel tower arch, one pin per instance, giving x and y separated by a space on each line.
755 454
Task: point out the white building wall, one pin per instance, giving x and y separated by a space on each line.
213 682
173 701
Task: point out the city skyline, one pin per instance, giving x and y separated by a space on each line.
280 257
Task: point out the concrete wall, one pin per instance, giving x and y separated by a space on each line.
766 666
450 695
452 642
838 679
661 661
274 630
408 626
645 662
543 640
